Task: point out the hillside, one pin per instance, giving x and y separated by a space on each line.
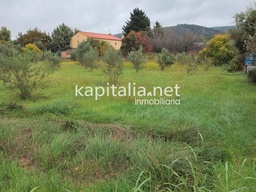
199 30
224 28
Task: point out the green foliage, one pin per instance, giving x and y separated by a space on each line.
139 21
165 59
61 37
23 72
245 22
234 65
252 75
220 49
34 36
86 55
129 43
184 58
57 107
100 46
31 47
5 35
137 58
113 65
204 144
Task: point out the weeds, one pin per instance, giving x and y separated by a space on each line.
113 145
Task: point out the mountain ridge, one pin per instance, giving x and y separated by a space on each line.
206 32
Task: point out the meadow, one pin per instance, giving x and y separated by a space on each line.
59 142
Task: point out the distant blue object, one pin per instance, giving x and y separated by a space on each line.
249 59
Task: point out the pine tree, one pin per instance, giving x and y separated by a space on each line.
139 21
61 37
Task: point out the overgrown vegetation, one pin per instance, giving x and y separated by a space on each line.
64 142
78 144
165 59
252 75
86 55
113 65
137 58
24 72
222 52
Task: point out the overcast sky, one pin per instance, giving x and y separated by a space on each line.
108 16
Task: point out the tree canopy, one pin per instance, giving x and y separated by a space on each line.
139 21
246 24
5 34
61 37
34 36
220 49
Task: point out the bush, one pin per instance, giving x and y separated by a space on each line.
114 65
252 75
220 49
23 72
53 59
183 58
86 55
165 59
31 47
137 58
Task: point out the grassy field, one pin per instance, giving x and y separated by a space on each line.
59 142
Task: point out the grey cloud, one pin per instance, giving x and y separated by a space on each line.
109 16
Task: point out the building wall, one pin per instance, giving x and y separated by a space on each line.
79 38
115 44
76 39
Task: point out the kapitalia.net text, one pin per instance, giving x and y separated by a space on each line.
130 90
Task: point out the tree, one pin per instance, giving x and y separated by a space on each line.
246 24
86 55
185 42
100 46
23 72
157 37
61 37
129 43
134 40
139 21
113 65
35 36
220 49
5 35
165 59
137 58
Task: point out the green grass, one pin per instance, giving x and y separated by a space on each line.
59 142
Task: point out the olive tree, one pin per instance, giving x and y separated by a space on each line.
113 66
86 55
165 59
23 72
137 58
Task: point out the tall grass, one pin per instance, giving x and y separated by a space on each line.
65 143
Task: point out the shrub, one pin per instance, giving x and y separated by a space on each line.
100 46
31 47
86 55
23 72
53 59
183 58
252 75
137 58
165 59
114 65
220 49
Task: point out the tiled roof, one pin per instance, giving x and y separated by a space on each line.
100 36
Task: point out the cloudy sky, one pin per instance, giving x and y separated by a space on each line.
108 16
